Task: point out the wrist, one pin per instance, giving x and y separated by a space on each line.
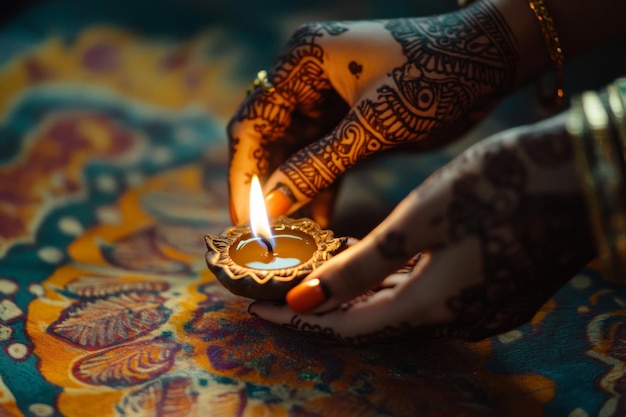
580 28
534 58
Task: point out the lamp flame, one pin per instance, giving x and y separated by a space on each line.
259 223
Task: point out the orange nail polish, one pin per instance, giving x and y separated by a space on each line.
307 295
277 203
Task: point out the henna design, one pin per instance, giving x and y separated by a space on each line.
522 271
383 335
270 119
504 169
316 167
453 62
355 68
284 189
299 76
299 324
554 150
299 81
453 59
233 144
391 246
530 246
334 28
388 334
410 264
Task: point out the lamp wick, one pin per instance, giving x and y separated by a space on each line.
268 244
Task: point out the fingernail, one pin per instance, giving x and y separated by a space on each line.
233 214
279 201
307 295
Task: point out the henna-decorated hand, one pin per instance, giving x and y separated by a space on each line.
346 90
500 229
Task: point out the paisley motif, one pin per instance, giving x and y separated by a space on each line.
100 286
100 323
165 397
129 364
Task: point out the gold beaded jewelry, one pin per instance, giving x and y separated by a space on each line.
551 39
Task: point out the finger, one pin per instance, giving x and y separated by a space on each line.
304 175
416 302
362 317
414 226
381 119
268 128
301 107
259 122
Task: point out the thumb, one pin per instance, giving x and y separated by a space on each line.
408 230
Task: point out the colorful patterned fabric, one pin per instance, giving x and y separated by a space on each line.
112 168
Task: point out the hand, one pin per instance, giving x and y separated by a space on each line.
500 229
343 91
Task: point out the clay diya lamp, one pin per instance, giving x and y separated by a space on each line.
264 260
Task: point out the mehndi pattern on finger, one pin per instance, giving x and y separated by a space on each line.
298 81
299 71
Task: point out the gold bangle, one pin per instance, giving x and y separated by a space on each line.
617 103
600 160
551 39
608 179
616 98
584 159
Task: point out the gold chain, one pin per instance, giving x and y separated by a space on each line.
551 39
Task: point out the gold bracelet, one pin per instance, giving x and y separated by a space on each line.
584 159
551 39
616 98
594 125
617 103
608 179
